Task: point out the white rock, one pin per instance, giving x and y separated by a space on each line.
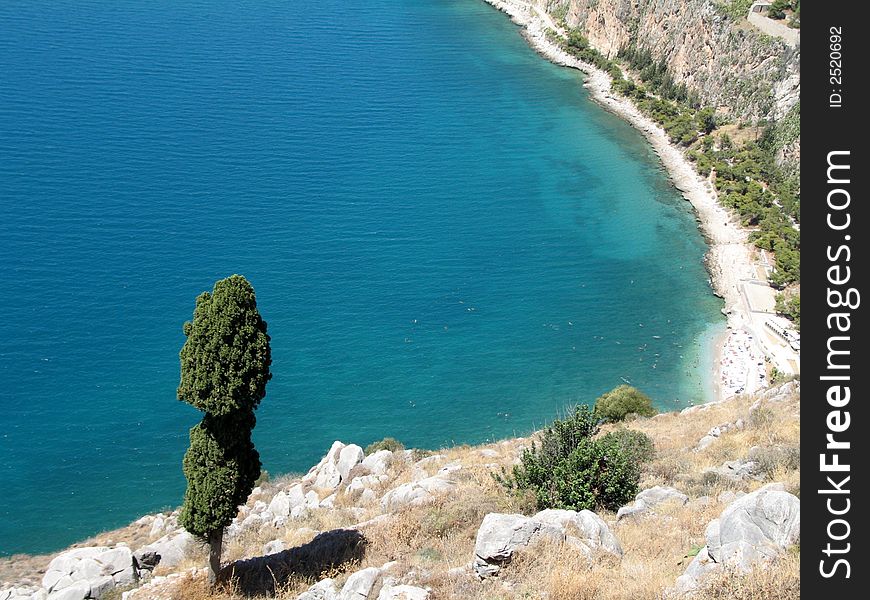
498 537
325 474
360 584
23 593
280 505
501 535
312 500
296 495
651 498
274 547
328 476
363 482
322 590
751 530
403 592
76 591
349 457
378 462
101 585
416 492
99 567
757 527
157 526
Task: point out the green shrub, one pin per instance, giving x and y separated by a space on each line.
388 443
636 444
568 469
622 401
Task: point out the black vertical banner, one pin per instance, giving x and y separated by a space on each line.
834 359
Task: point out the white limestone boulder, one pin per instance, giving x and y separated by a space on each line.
416 492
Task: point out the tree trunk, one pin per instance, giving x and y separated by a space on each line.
215 546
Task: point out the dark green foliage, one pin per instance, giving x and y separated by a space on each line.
388 443
778 8
622 401
748 179
789 305
569 469
637 445
225 364
221 467
225 360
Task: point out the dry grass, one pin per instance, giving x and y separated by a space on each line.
431 541
781 580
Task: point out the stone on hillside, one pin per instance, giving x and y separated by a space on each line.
364 482
584 530
756 527
403 592
296 495
274 547
651 498
75 591
280 505
498 538
23 593
325 474
368 496
378 462
349 457
89 567
729 496
705 442
449 469
322 590
328 476
734 470
360 584
170 550
751 530
416 492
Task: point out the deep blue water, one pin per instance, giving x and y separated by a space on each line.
448 240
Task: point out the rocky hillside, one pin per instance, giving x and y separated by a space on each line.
729 63
718 516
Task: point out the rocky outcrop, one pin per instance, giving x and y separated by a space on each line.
89 572
402 592
23 593
734 471
501 535
168 551
416 492
737 69
650 498
335 466
751 530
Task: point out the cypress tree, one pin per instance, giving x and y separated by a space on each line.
224 370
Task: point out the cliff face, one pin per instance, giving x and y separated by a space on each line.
731 66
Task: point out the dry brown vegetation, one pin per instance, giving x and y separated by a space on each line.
433 543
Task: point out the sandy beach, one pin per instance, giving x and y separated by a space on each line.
740 361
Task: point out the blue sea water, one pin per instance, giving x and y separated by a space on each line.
449 241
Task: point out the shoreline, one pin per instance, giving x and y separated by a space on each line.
729 259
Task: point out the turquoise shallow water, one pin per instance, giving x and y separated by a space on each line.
449 241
